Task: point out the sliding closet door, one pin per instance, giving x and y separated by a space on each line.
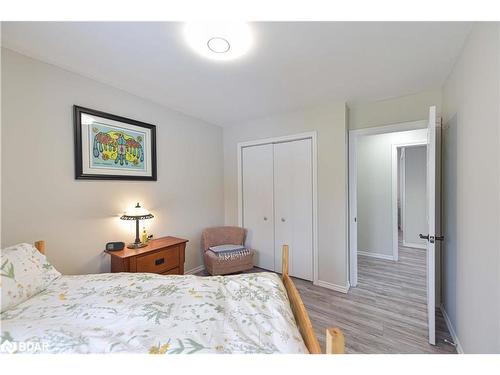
293 206
257 174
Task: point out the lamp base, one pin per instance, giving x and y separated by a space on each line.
136 245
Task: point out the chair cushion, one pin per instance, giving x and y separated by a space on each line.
226 248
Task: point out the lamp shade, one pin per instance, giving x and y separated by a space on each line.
137 213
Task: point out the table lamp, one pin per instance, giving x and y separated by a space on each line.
137 213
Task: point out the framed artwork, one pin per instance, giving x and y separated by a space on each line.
109 147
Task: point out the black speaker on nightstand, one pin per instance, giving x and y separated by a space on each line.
115 246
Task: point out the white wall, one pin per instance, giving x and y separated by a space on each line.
42 200
471 158
374 196
393 110
330 122
415 195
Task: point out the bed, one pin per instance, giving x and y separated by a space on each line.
161 314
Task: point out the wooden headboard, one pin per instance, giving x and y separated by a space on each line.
40 245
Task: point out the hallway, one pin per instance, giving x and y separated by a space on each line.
385 313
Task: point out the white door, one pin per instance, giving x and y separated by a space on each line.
293 206
258 212
431 219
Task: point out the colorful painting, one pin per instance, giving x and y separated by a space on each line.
113 147
117 148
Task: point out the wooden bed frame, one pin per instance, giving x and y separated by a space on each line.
334 336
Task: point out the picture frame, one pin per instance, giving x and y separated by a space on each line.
111 147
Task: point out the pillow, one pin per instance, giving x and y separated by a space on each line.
24 272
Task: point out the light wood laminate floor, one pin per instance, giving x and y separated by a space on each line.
385 313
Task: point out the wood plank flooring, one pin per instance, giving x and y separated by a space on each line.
385 313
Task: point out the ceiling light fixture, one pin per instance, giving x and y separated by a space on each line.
218 45
219 41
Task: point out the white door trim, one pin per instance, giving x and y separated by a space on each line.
288 138
353 199
401 177
431 222
395 146
353 208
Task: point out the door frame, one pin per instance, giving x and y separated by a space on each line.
395 240
283 139
353 177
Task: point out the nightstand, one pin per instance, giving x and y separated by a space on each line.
163 255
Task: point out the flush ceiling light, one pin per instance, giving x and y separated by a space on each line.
218 45
219 41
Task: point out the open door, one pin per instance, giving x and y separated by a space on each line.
431 219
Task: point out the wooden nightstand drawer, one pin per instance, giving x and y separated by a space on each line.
159 262
163 255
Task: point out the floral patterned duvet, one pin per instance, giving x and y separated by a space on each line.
148 313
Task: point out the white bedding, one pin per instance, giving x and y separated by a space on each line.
147 313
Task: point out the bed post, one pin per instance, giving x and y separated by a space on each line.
334 336
40 246
284 261
334 341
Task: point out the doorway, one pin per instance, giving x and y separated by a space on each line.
373 208
373 179
409 190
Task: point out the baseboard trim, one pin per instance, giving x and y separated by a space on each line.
337 288
192 271
415 245
376 255
453 333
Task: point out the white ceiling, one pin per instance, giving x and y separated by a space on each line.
292 65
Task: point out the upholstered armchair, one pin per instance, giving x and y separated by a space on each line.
217 265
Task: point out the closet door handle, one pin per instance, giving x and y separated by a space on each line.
265 218
283 219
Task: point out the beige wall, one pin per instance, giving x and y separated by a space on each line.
471 159
42 200
394 110
374 170
330 124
